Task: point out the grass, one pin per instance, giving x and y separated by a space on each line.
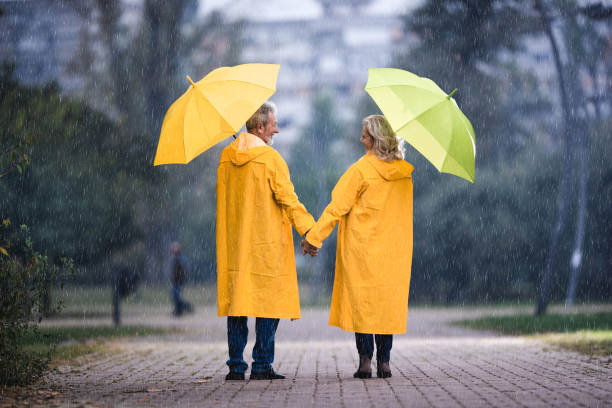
586 333
55 335
100 297
67 343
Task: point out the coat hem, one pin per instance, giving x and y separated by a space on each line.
267 316
366 331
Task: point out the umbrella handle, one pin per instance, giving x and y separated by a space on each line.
189 79
447 97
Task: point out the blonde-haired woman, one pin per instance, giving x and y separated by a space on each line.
373 203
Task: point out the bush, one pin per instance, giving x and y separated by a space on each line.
26 278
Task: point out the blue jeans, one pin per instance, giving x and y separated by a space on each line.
180 305
263 351
365 345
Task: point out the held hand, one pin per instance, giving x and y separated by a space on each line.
309 249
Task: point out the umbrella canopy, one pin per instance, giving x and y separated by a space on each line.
212 109
427 118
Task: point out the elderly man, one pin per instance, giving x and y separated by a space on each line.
256 207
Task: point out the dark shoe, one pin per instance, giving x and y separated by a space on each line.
382 369
365 368
362 374
234 376
267 375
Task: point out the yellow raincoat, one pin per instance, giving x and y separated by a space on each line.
256 206
373 202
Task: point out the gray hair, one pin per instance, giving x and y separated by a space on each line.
262 115
386 145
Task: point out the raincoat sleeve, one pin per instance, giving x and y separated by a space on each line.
284 194
344 196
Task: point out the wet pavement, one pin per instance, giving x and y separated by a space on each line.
434 365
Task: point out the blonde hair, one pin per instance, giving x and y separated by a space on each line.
386 145
262 115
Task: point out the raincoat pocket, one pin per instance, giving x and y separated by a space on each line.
267 259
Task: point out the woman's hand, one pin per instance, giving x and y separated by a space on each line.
308 248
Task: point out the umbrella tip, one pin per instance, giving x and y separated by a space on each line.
189 79
452 93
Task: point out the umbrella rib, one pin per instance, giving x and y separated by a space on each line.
408 85
420 114
211 104
231 80
446 155
240 80
472 137
439 144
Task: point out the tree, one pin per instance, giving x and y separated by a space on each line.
584 46
461 231
144 71
463 44
25 275
78 196
315 169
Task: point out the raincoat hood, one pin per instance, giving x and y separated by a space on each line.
395 170
245 148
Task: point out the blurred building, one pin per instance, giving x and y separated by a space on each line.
44 40
39 37
322 46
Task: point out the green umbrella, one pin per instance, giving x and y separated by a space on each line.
426 117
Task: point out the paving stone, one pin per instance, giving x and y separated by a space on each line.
433 365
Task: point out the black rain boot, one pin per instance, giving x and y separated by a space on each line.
365 367
382 369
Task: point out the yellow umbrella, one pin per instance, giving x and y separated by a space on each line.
212 109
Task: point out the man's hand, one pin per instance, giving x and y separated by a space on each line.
309 249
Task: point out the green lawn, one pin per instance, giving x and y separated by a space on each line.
587 333
70 342
90 300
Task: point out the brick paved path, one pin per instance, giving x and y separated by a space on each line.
433 365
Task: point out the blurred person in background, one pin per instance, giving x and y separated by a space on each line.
372 201
178 277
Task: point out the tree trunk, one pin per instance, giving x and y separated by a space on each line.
543 292
110 14
576 261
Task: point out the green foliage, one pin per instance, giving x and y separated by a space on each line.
488 241
597 267
318 159
25 279
14 150
483 241
315 164
79 196
147 68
